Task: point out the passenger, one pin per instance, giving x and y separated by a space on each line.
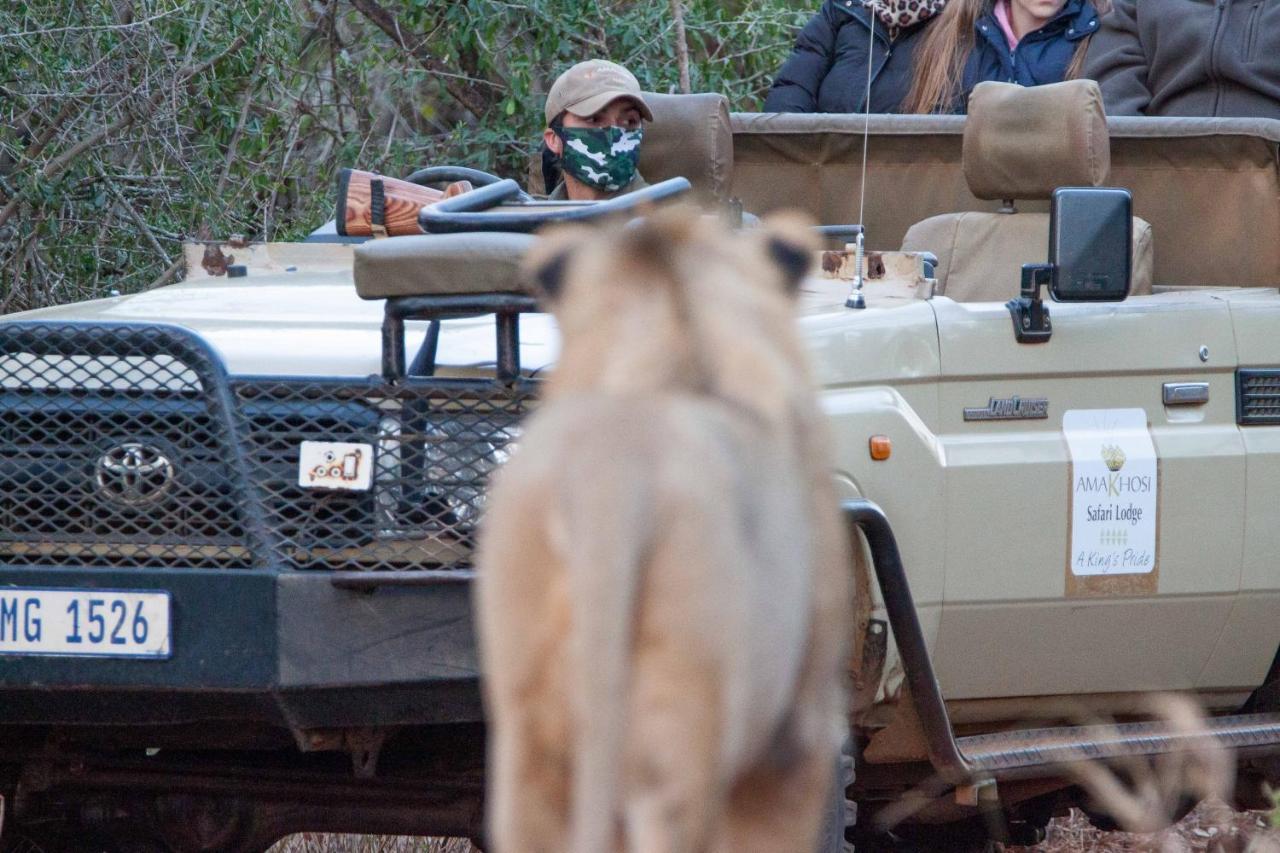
1031 42
827 69
595 116
1189 58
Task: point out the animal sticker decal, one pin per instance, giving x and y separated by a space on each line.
335 465
346 468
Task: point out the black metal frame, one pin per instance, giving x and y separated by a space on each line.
900 607
449 174
1031 323
229 450
153 340
506 307
839 232
470 211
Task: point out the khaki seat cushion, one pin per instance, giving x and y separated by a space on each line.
980 255
1023 142
690 137
437 264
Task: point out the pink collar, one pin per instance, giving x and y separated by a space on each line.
1001 12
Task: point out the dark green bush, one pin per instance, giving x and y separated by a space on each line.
129 125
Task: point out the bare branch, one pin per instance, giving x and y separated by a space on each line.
235 140
465 95
63 161
169 274
69 108
682 45
122 204
90 28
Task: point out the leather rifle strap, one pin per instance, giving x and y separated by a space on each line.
377 208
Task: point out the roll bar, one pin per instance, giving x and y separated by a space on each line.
472 211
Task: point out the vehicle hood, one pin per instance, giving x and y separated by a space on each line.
297 324
280 320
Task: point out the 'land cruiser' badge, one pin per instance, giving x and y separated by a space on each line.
1011 409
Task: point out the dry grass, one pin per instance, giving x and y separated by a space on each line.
1143 795
312 842
1210 827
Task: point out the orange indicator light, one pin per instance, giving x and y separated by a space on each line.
880 447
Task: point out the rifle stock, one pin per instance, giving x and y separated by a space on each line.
370 204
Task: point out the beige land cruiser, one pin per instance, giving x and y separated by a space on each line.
236 514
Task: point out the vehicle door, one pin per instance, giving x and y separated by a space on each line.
1094 494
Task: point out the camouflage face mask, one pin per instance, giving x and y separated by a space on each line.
601 157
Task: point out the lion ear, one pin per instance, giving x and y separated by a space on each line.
790 242
794 262
547 276
545 266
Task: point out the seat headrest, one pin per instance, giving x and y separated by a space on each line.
690 137
1023 142
435 264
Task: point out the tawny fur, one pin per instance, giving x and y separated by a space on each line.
664 594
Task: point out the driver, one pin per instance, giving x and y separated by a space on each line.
594 128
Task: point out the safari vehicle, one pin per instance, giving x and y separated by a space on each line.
237 514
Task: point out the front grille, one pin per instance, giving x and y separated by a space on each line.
1257 396
129 447
434 443
112 453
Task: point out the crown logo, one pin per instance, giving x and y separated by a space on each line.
1113 456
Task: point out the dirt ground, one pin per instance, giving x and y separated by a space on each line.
1210 828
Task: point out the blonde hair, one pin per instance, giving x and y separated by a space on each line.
940 59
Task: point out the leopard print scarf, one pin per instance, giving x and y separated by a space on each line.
897 15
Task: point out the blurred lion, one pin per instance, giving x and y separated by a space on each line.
665 587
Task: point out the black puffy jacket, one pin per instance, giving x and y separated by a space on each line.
1042 56
827 70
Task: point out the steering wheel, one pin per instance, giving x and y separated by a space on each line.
472 211
451 174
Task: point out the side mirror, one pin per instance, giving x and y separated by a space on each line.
1090 257
1090 244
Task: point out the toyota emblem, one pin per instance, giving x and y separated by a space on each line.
134 474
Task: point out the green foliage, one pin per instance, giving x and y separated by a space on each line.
129 125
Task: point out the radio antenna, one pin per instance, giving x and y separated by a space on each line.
856 298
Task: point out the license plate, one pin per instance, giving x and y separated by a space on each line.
84 623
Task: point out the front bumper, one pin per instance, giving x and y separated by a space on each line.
285 648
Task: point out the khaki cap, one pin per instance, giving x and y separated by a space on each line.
588 86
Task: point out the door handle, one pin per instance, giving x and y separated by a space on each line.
1186 393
